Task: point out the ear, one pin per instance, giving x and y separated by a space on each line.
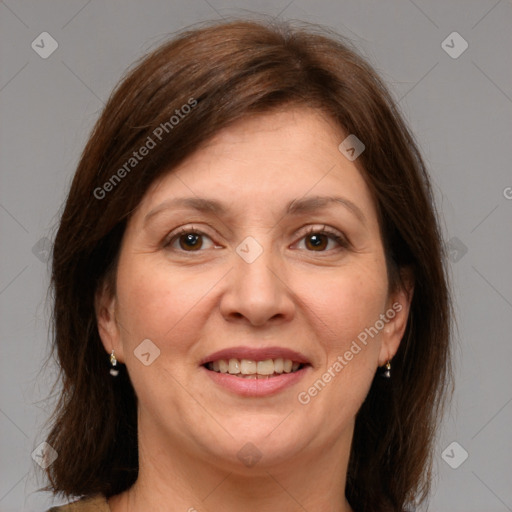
105 304
398 307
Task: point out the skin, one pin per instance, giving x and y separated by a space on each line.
191 302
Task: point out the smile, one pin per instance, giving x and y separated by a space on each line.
251 369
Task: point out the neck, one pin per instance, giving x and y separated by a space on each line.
175 480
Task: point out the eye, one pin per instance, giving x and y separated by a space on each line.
315 240
320 240
188 240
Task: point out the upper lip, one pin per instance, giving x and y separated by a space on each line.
255 354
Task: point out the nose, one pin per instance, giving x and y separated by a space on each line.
257 292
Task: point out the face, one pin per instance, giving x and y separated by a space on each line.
260 255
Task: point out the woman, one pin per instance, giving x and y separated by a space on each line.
251 307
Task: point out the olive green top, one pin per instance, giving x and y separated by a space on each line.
96 503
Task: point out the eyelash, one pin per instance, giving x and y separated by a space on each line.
333 235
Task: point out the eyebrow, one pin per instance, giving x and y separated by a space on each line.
296 207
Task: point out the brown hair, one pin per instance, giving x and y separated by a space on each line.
224 72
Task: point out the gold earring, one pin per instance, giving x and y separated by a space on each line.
113 361
387 371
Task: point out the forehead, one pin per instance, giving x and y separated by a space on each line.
266 161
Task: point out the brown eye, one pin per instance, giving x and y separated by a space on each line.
317 241
189 241
323 240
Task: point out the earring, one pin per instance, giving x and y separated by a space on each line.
387 372
113 361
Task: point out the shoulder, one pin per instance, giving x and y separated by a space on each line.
96 503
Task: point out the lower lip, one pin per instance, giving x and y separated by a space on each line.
256 387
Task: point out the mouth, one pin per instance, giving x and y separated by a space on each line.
252 372
252 369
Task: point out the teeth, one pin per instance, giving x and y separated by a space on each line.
234 366
248 367
251 369
265 367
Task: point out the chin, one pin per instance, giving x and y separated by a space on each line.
262 442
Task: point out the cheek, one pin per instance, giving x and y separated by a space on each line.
162 305
345 314
342 306
347 303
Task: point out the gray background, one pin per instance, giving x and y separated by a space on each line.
459 108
